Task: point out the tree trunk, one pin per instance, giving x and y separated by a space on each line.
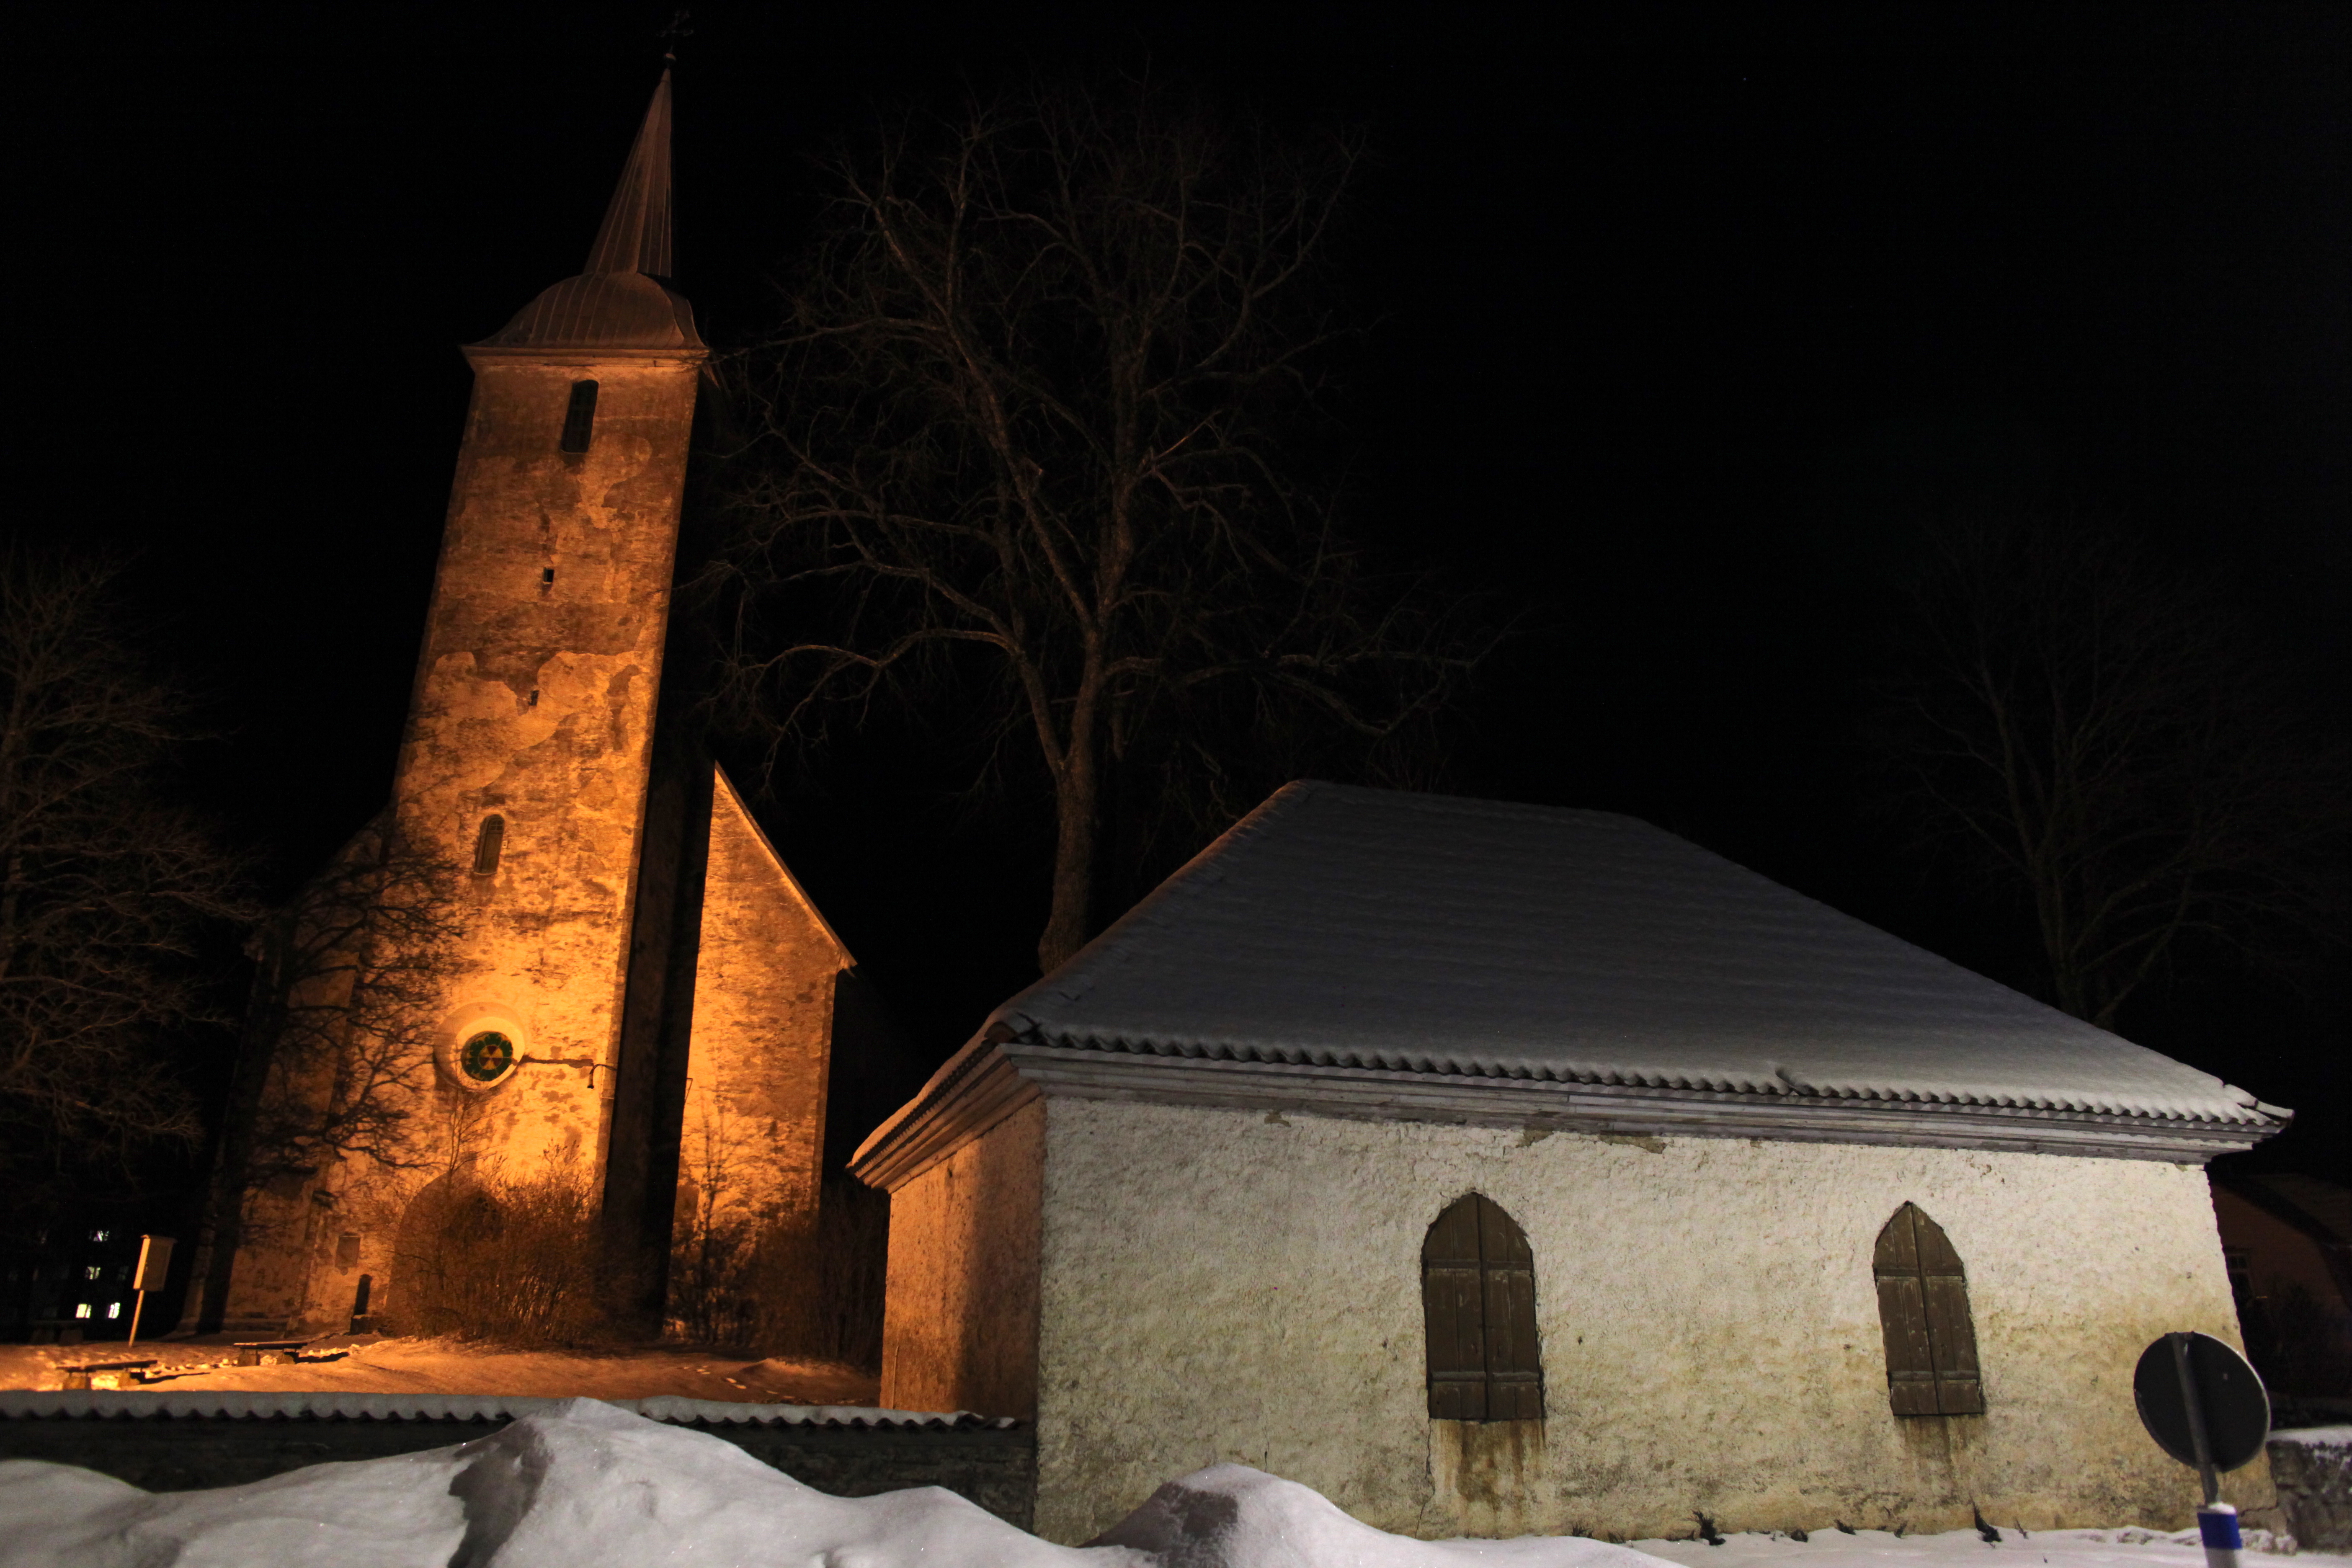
1077 820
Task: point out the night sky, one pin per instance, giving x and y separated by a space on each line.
1681 314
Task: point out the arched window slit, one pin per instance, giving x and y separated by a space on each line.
487 843
580 417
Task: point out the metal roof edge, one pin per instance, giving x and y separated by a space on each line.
977 1088
1774 1082
20 1404
1388 1095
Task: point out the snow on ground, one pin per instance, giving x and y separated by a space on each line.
587 1486
2125 1548
450 1366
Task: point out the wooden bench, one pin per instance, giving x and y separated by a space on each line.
105 1374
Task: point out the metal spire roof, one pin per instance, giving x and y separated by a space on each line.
635 235
623 299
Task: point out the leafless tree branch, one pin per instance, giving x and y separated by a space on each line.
2102 738
1025 449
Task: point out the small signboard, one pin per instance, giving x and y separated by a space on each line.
154 1264
2204 1406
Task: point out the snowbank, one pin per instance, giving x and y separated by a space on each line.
584 1484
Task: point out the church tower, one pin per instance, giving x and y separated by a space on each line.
565 960
531 732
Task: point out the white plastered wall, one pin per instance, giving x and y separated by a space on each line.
1234 1285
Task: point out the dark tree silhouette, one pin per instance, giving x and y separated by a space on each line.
2104 740
1029 455
107 889
336 1060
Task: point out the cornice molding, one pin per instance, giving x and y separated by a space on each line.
987 1081
477 354
1374 1094
977 1088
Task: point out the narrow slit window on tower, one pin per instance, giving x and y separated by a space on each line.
580 418
1923 1309
1478 1311
487 843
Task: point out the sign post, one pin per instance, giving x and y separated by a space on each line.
154 1263
2204 1406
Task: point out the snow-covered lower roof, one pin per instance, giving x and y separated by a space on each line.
1372 928
20 1404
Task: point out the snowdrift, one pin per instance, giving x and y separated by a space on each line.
586 1485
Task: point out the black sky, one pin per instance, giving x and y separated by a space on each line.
1682 311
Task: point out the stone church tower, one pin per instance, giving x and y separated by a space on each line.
554 958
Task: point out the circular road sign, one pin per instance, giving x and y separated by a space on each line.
2229 1396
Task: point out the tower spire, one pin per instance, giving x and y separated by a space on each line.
635 235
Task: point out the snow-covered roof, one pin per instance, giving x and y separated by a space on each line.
1372 928
19 1404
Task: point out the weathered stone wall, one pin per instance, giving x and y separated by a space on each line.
1232 1285
960 1320
753 1136
534 701
2313 1470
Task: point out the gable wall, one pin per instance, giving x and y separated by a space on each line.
1226 1285
752 1133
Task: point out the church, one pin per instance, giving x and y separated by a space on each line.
566 952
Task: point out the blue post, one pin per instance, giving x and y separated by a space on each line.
2216 1526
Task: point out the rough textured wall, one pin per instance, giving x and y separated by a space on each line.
753 1130
959 1324
534 700
1230 1285
2314 1469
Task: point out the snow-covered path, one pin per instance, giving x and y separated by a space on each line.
2126 1548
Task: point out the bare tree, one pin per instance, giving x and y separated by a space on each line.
2100 738
346 1005
336 1061
107 888
1028 452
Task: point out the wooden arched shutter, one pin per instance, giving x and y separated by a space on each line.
1923 1308
1478 1310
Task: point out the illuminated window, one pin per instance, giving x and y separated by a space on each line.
487 843
487 1057
114 1309
1923 1311
100 1235
580 418
81 1310
1478 1311
94 1271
